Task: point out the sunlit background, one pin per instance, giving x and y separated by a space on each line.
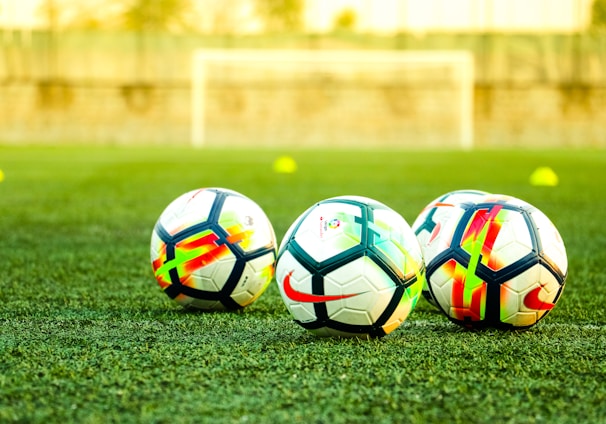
123 72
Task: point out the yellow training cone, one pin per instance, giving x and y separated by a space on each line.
285 165
544 176
1 176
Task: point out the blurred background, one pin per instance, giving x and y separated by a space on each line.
122 72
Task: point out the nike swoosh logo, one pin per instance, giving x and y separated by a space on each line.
434 233
532 301
299 296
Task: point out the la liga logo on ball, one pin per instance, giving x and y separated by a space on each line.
328 224
333 223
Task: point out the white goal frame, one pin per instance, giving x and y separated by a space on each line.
461 60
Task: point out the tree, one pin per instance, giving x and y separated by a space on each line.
281 15
598 14
346 20
156 15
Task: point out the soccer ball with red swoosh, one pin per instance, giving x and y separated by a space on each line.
351 267
496 262
213 249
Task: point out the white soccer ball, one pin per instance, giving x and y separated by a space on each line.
213 249
350 266
431 219
498 262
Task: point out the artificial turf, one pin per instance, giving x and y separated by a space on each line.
87 335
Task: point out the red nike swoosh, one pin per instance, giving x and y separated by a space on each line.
298 296
434 233
532 301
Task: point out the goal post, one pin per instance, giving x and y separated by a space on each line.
312 97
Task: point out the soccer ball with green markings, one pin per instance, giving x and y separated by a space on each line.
213 249
350 266
496 262
431 219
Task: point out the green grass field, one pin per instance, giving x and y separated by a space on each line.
87 336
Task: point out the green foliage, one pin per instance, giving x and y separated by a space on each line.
281 15
141 15
86 334
346 20
598 14
136 15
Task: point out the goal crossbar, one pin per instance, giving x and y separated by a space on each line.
461 61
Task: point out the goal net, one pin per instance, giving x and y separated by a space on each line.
311 98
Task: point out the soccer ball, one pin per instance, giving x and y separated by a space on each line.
431 219
350 267
213 249
498 262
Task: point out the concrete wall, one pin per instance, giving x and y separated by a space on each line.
529 91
